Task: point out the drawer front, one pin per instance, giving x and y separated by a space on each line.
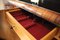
21 31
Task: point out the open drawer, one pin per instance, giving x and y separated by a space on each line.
29 26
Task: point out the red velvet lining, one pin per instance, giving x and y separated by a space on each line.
27 23
15 14
21 17
36 29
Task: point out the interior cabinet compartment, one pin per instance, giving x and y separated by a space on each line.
32 25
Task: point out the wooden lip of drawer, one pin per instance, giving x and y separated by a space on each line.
46 37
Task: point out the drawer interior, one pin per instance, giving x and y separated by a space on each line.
37 26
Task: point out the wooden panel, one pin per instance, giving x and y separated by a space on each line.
57 36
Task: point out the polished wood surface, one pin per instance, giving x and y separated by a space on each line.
49 15
6 32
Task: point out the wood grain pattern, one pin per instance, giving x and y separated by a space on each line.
39 11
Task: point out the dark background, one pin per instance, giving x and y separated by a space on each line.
49 4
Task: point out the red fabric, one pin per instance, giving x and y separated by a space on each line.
27 23
21 17
16 13
38 31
